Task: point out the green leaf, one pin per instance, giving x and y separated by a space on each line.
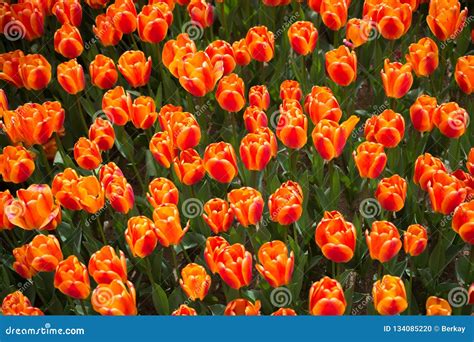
160 300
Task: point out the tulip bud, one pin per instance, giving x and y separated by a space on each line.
259 97
334 13
230 93
285 204
446 192
154 21
184 310
135 68
464 74
359 31
220 50
35 71
242 307
290 90
106 265
241 52
389 295
30 17
143 114
17 304
71 77
220 162
201 12
162 191
341 65
71 278
195 281
303 37
120 195
421 113
87 154
168 226
189 167
234 265
326 298
174 50
141 236
68 41
321 104
123 15
425 167
44 253
462 221
415 240
161 147
445 18
102 133
16 164
105 30
275 264
451 119
255 151
102 71
214 246
218 215
115 299
117 105
247 205
391 193
68 12
437 307
254 118
370 159
383 241
396 78
292 125
423 57
260 43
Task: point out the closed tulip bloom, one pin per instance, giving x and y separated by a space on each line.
391 193
90 193
68 41
290 90
388 129
358 31
220 50
71 77
470 161
195 281
425 167
259 97
120 195
292 125
201 12
285 204
242 307
303 37
421 113
106 265
254 118
255 151
162 190
21 264
117 105
143 114
220 162
214 246
31 19
72 279
334 13
329 137
445 18
141 236
87 154
66 189
260 43
102 133
415 240
184 310
383 241
284 312
341 65
184 130
96 4
153 22
389 295
105 30
103 72
10 67
135 68
396 78
423 57
68 12
230 93
464 74
393 18
247 205
336 237
241 53
43 253
197 75
169 3
17 304
124 15
218 215
326 298
189 167
175 49
234 265
451 119
5 198
16 164
115 299
165 114
35 71
322 104
370 159
436 306
463 221
161 147
168 226
276 266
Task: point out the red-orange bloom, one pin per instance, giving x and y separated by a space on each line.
120 195
161 147
143 114
415 239
201 12
135 68
256 151
276 266
5 199
184 310
68 12
242 307
247 205
68 41
218 215
165 114
322 104
72 279
102 133
284 312
341 65
220 50
451 119
464 73
260 43
389 295
393 18
370 159
220 162
396 78
421 113
234 265
214 246
87 154
31 19
35 71
21 265
168 225
292 125
184 130
105 30
388 129
241 53
71 76
106 265
285 204
44 253
326 298
141 236
175 49
303 37
463 221
153 22
123 15
358 31
189 167
391 193
259 97
161 191
10 66
436 306
115 299
103 72
16 164
425 167
17 304
423 56
254 118
290 90
195 281
230 93
117 105
445 18
334 13
383 241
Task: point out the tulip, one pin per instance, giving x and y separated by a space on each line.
470 161
162 191
120 195
315 5
91 194
370 159
105 30
445 18
247 205
321 104
391 193
421 113
184 310
423 57
259 97
87 154
285 204
275 264
467 181
303 37
255 151
242 307
117 105
189 167
383 241
464 74
234 265
108 173
218 215
292 125
326 298
5 199
341 65
153 22
70 195
436 306
214 246
115 299
68 41
284 312
290 90
5 15
124 15
329 137
161 147
17 304
230 93
389 295
451 119
106 265
96 4
141 236
254 118
35 71
393 18
336 237
102 133
462 222
260 43
135 68
359 31
169 3
71 77
195 281
168 226
174 50
334 13
143 114
201 12
10 68
68 12
415 239
16 164
103 72
425 167
396 78
184 130
220 50
71 278
21 264
44 253
165 114
220 162
31 19
241 53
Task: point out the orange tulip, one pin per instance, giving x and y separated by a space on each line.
234 265
423 57
341 65
68 41
254 118
117 105
393 18
388 129
141 236
218 215
106 265
241 53
220 162
162 191
16 164
445 18
285 204
68 12
175 49
35 71
230 93
284 312
260 43
10 67
31 19
315 5
168 226
184 130
396 78
259 97
334 13
105 30
425 167
336 237
169 3
124 15
135 68
242 307
44 253
102 71
17 304
71 77
115 299
220 50
71 278
153 22
415 239
322 104
201 12
189 167
120 195
21 264
161 147
5 199
292 125
303 37
370 159
358 31
255 151
463 221
165 114
290 89
247 205
391 193
275 264
383 241
102 133
389 295
195 281
87 154
214 246
326 298
421 113
464 74
470 161
184 310
143 114
329 137
436 306
96 4
451 119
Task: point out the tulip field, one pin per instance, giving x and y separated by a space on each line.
253 157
